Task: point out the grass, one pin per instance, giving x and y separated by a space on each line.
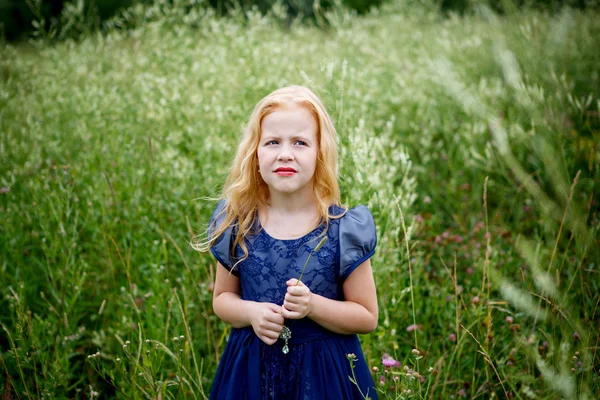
473 140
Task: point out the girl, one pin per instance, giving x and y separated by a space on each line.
280 219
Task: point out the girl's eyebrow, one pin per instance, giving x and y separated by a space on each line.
276 137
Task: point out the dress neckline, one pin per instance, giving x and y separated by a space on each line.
332 207
267 234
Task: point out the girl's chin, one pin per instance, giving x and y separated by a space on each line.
285 190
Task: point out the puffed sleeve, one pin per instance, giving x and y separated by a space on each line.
221 249
357 239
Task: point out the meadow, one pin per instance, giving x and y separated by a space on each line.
474 140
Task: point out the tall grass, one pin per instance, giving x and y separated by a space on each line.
473 140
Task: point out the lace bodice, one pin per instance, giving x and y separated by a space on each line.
351 240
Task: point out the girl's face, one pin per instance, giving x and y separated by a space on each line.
287 151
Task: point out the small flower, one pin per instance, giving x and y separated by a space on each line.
416 352
470 271
438 239
462 393
427 200
509 319
124 347
412 328
396 378
351 356
375 369
4 189
127 343
175 338
576 336
181 337
430 369
382 380
452 337
118 359
388 362
475 300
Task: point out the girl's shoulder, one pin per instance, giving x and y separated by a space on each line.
359 214
357 239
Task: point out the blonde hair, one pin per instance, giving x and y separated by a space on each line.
245 190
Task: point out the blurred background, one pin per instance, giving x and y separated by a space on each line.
471 130
17 16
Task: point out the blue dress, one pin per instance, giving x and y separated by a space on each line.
316 367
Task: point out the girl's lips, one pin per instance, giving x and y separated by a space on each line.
285 171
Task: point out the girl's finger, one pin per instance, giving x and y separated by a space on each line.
291 314
290 306
272 327
275 318
298 290
296 300
271 334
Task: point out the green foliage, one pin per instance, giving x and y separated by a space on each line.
473 140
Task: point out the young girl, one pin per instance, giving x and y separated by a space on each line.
291 338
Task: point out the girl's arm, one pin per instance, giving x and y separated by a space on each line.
265 318
358 313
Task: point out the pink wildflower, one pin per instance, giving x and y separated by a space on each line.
509 319
388 361
412 327
452 337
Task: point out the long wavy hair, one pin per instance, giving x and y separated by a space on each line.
245 191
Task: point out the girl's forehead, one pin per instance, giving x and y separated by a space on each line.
288 119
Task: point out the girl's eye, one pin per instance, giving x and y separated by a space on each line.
270 142
301 142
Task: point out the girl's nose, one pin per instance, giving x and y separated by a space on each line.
285 154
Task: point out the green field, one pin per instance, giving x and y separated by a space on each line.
474 141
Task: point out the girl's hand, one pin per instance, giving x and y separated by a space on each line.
298 300
267 322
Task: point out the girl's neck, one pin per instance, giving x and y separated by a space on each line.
293 204
288 220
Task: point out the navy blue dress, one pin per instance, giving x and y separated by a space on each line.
316 367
